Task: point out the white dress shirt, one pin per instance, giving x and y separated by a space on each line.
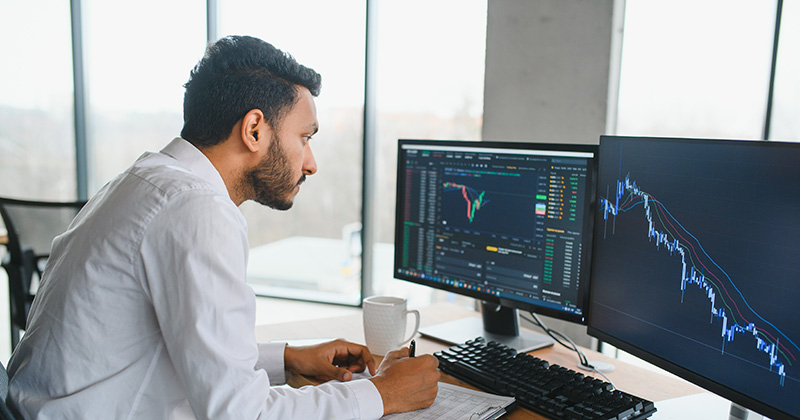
143 312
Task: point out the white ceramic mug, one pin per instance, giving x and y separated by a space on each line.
385 323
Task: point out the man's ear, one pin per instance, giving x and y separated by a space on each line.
255 131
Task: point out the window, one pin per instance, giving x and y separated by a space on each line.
312 252
137 61
696 69
37 136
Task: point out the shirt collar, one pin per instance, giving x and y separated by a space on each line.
195 161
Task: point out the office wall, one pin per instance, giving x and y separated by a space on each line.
548 67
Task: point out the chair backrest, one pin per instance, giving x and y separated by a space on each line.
31 227
34 224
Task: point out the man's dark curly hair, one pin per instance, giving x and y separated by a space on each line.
236 75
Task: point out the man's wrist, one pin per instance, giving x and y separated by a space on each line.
380 385
288 358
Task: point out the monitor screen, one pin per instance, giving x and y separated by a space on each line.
696 263
508 223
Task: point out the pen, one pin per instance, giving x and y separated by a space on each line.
412 348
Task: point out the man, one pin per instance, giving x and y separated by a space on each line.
144 312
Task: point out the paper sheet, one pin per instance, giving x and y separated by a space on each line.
458 403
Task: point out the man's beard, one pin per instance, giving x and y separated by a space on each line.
272 182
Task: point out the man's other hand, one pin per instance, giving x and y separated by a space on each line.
407 383
332 360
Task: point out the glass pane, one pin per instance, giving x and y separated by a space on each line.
137 61
429 77
786 99
312 251
696 69
37 134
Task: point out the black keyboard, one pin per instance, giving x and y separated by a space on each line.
551 390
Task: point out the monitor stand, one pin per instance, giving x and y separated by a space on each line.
498 324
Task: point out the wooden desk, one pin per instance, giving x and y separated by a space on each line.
641 382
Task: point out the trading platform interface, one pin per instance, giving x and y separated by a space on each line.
497 222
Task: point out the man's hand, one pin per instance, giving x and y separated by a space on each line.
407 383
332 360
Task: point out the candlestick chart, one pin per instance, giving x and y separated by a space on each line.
474 200
728 307
490 201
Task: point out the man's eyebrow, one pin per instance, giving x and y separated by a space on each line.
314 127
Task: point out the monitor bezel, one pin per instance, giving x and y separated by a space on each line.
503 301
697 379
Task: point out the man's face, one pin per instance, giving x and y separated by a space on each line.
276 179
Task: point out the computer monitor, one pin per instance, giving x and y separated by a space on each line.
696 263
507 223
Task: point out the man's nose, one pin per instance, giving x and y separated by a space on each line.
309 162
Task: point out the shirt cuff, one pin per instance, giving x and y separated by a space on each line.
370 402
270 358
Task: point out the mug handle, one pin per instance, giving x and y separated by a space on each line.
416 326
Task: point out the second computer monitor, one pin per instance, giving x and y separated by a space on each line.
696 264
507 223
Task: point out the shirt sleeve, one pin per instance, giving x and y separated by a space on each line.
194 258
270 359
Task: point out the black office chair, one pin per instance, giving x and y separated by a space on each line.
31 227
